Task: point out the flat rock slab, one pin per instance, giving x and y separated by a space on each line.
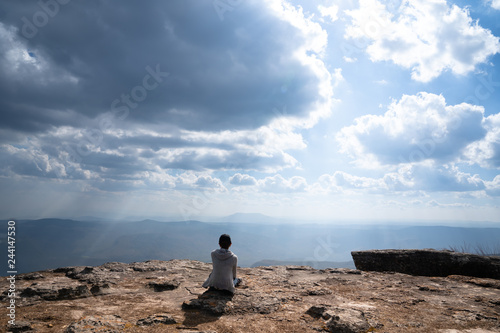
55 291
107 323
119 297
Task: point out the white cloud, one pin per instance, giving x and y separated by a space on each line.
426 36
242 180
341 181
495 4
29 161
191 180
486 152
414 129
278 184
348 181
443 178
436 204
209 182
316 37
493 187
330 12
310 53
349 59
408 178
271 184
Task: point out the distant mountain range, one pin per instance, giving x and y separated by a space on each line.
52 243
313 264
258 218
247 218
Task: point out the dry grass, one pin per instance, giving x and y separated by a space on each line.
479 249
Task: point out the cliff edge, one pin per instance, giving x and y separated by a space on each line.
428 262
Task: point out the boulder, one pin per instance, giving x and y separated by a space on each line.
157 319
220 302
213 302
347 321
164 285
341 320
20 326
427 262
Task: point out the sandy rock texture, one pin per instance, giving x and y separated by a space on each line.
166 296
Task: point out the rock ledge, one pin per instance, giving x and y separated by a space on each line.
427 263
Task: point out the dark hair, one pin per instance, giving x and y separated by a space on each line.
225 241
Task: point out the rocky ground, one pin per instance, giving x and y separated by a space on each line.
166 296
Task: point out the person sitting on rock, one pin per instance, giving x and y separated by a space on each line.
223 276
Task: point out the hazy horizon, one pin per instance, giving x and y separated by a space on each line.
91 243
359 110
262 219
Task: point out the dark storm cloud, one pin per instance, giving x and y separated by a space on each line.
156 143
122 95
221 74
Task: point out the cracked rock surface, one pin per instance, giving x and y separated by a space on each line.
166 296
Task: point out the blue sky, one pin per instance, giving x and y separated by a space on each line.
336 110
